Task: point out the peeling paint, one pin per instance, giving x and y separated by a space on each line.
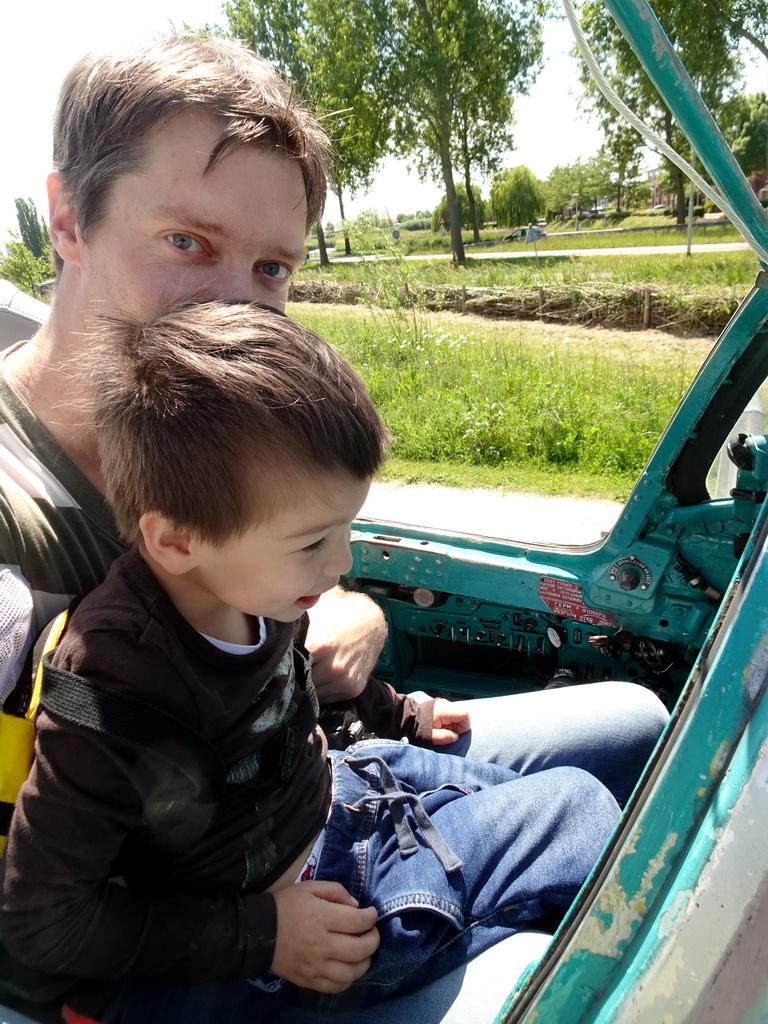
757 668
660 1001
718 761
612 922
669 917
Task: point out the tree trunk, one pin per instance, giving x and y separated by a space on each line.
472 208
468 184
457 242
679 180
324 261
347 246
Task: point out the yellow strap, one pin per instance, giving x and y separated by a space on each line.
54 635
17 735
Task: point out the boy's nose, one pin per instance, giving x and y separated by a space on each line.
341 560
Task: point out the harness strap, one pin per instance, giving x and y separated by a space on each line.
91 704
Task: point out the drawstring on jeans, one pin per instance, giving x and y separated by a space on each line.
396 798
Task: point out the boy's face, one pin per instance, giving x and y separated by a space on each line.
171 232
280 567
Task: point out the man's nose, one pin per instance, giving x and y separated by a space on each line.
235 283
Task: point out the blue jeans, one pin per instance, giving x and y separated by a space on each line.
471 994
609 729
455 855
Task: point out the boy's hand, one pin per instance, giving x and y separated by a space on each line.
324 941
449 722
345 637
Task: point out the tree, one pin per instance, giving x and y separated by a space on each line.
328 51
744 123
517 197
482 136
22 267
743 19
467 211
703 45
33 229
620 161
578 186
446 64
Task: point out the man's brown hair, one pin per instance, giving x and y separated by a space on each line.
108 102
213 414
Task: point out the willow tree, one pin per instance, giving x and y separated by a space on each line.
517 197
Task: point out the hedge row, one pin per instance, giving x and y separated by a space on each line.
703 311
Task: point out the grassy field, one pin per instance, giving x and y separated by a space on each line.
379 240
733 270
521 406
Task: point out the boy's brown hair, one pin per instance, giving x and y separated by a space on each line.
215 414
108 102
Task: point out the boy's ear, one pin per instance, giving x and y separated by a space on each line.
169 546
65 234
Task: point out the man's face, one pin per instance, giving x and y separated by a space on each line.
171 233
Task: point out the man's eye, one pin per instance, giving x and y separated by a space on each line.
185 242
275 269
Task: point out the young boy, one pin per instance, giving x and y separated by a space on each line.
237 448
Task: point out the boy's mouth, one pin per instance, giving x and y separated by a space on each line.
305 603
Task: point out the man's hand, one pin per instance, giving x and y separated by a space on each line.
449 722
324 941
346 634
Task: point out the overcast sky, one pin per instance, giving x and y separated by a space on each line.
40 41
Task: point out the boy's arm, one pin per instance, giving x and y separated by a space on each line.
61 913
393 715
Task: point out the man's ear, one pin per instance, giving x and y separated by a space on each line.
65 234
172 548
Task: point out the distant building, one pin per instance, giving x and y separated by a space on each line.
659 194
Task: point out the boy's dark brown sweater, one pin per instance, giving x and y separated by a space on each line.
194 907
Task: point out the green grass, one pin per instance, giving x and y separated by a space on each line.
661 235
498 407
734 270
379 240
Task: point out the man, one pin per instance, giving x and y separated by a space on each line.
187 170
137 242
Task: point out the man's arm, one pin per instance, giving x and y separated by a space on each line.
346 634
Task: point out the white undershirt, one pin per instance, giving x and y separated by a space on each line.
229 648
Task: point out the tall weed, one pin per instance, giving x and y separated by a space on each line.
458 397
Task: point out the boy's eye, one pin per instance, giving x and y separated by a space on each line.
274 269
185 242
310 548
